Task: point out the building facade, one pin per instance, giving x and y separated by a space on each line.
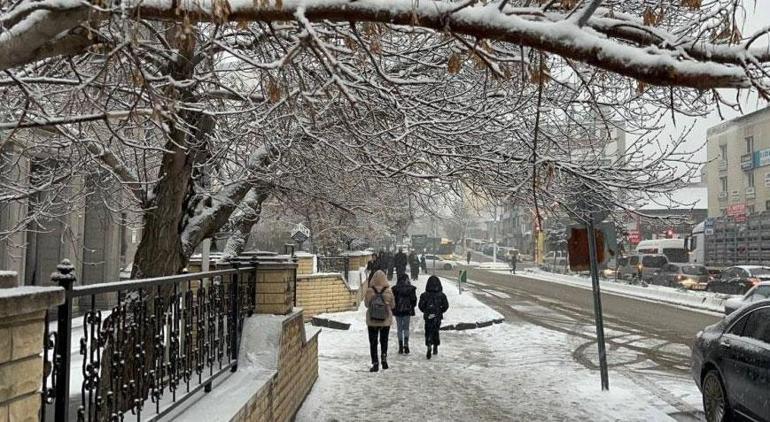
738 171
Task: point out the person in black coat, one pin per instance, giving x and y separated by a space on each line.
406 300
400 262
389 264
414 265
433 304
423 263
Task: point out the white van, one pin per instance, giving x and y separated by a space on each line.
673 249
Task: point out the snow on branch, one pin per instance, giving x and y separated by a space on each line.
34 25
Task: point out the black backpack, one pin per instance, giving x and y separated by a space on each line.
432 305
403 304
378 310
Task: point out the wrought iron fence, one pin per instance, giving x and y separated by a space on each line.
334 264
164 340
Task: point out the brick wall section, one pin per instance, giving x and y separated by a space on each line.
281 397
324 293
275 288
22 319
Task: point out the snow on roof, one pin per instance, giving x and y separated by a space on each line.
691 197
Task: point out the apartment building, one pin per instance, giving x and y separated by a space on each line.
738 173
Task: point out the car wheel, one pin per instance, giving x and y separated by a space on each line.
447 266
715 398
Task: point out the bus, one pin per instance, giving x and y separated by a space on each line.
446 249
673 249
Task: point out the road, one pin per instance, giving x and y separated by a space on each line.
650 340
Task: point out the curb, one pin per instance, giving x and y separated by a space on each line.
462 326
328 323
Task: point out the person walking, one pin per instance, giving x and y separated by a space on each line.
406 299
514 258
469 257
389 265
414 265
423 263
433 304
379 302
400 262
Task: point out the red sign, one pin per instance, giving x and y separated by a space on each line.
737 212
577 247
634 237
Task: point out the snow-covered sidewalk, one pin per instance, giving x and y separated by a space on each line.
503 372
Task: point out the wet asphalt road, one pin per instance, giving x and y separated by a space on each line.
647 339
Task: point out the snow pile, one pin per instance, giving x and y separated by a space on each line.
697 300
503 372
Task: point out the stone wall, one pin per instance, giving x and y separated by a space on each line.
275 288
305 263
324 293
22 319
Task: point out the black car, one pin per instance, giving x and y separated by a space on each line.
731 365
739 279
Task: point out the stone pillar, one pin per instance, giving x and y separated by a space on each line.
275 288
22 324
305 263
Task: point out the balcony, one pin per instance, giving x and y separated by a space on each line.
722 165
747 162
723 196
751 193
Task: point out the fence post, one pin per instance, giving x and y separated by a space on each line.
235 317
64 277
347 269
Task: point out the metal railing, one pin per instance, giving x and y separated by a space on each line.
164 340
334 264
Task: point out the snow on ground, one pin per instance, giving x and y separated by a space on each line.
712 303
503 372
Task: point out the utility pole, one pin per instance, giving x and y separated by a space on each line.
594 262
494 234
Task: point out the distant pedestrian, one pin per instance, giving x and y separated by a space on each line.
433 304
424 263
414 265
514 258
406 299
379 302
469 257
389 264
400 262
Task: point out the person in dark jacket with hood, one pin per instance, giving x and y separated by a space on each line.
406 300
433 304
400 261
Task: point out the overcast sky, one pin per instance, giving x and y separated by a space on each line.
757 19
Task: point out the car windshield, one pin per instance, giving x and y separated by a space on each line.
694 270
759 271
653 261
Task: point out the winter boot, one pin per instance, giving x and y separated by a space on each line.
428 354
406 346
375 367
384 359
400 347
435 349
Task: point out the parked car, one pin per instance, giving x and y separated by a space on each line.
611 270
731 365
689 276
435 261
643 266
739 279
759 292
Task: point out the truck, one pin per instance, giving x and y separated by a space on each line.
723 242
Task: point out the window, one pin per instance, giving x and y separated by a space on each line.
654 261
723 183
738 328
695 270
634 260
723 152
758 325
761 292
749 144
750 179
751 209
